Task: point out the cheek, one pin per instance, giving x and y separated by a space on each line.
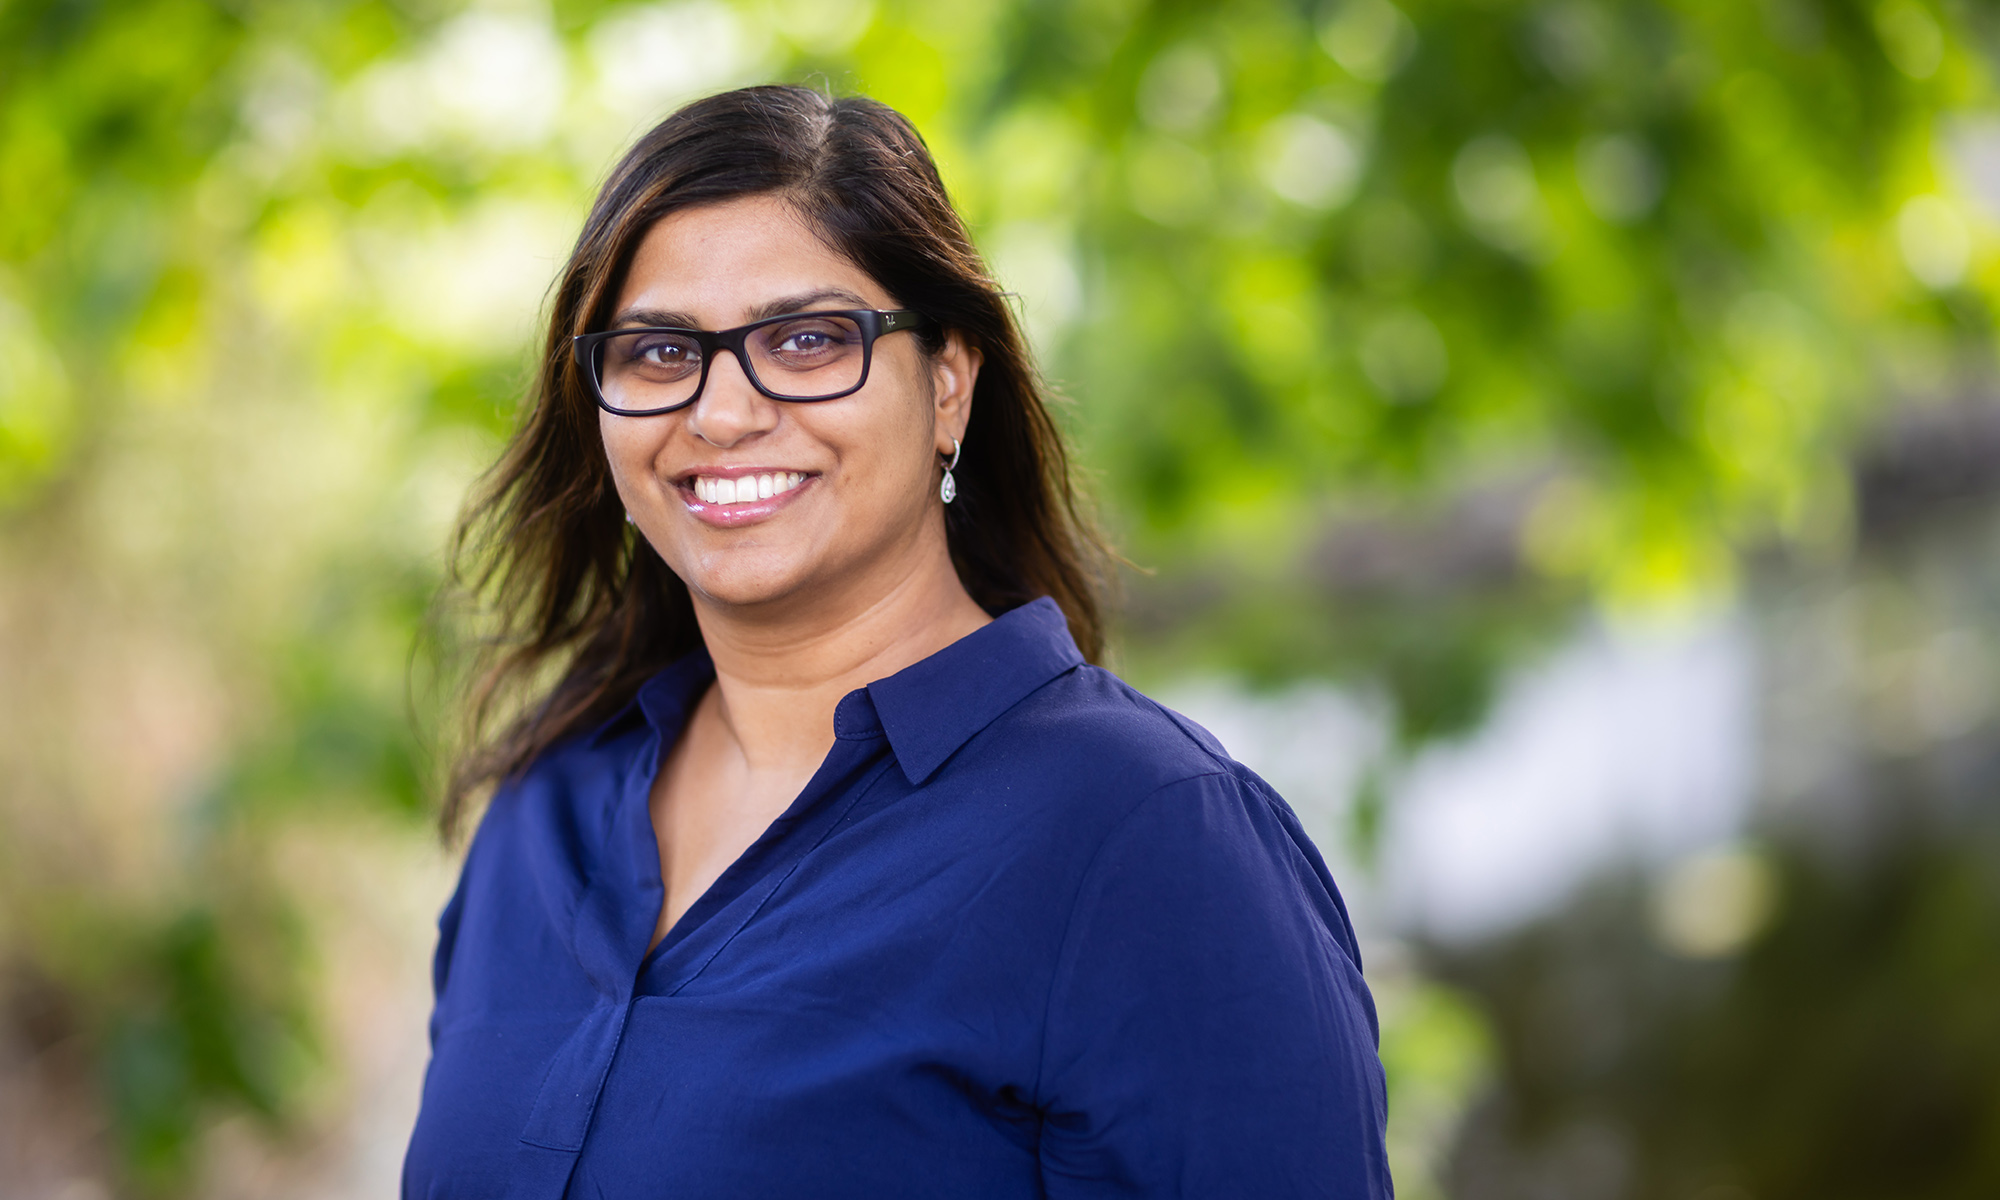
629 448
884 455
899 421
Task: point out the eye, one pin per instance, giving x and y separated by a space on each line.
806 341
650 356
809 344
665 352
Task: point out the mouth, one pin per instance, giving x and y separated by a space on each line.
731 496
727 490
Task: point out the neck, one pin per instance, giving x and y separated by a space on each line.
779 674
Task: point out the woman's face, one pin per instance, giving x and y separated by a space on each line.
862 512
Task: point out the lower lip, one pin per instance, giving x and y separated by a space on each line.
728 516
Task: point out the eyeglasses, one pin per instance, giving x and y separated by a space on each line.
802 356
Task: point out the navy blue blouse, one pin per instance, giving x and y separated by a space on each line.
1026 933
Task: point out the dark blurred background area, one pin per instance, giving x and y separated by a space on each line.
1557 442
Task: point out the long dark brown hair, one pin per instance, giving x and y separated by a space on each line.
580 610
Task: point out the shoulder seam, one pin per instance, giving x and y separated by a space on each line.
1181 723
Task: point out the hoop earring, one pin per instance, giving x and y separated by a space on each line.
948 490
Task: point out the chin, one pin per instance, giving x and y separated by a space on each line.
744 585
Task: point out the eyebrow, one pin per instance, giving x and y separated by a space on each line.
640 317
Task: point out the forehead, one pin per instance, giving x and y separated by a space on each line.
717 262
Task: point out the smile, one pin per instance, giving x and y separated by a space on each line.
745 489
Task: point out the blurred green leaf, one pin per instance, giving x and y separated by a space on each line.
1629 274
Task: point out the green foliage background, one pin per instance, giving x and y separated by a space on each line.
268 271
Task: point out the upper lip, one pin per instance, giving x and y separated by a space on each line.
737 472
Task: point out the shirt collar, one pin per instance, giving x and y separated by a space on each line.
927 710
931 708
668 698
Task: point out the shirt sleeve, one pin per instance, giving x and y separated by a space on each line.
1209 1033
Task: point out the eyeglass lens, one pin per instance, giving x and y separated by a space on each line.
805 358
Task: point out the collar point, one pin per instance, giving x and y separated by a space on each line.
855 716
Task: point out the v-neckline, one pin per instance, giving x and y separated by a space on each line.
762 859
665 763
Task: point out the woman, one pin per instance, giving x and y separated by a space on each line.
829 866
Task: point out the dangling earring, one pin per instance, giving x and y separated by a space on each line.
948 490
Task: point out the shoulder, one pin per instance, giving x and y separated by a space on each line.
1152 793
1089 724
556 813
1090 752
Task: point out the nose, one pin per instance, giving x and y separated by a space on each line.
730 408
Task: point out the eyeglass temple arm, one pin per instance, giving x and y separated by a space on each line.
900 318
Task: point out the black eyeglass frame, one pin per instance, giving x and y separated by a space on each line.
873 323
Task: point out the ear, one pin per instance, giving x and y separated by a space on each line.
954 370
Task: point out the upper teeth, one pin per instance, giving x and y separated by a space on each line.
745 488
